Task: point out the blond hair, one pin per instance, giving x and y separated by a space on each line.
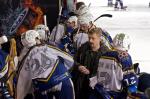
97 31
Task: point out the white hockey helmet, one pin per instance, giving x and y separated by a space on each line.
28 38
83 20
73 18
122 42
42 30
82 10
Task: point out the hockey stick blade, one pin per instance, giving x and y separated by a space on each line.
103 15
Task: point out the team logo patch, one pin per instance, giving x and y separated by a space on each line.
18 21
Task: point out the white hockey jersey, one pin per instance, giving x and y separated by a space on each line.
111 69
44 66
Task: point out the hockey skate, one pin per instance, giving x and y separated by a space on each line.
116 8
110 4
124 8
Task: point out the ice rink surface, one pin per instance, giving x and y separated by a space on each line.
135 22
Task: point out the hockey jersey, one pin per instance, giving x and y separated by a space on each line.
3 64
44 67
4 70
111 69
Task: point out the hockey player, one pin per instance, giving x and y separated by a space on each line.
121 5
84 20
43 31
82 36
79 4
4 68
144 81
110 3
67 40
61 30
115 71
43 70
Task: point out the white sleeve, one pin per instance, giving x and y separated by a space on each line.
57 36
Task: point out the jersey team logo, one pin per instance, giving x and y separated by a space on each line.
18 21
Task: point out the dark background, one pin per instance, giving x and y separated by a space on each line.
7 7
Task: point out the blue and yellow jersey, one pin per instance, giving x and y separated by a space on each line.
3 63
44 66
111 69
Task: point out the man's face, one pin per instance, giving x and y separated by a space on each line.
84 27
94 40
71 24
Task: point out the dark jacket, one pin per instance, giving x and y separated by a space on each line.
85 57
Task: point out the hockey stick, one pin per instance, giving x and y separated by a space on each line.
89 5
103 15
45 20
47 32
58 19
